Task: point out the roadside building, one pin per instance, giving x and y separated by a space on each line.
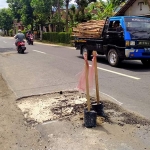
17 25
134 8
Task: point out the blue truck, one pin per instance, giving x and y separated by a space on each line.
129 41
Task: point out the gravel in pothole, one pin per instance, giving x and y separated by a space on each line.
59 105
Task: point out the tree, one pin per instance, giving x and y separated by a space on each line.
80 15
6 19
26 12
43 9
15 7
103 9
67 4
72 13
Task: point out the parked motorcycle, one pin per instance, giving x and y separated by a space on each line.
30 40
21 47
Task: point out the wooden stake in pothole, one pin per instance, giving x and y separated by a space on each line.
98 107
89 115
87 81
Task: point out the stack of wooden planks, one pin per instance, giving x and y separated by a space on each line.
90 29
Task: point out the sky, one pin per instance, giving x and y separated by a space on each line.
3 3
72 1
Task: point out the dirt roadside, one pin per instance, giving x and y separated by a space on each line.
14 133
22 130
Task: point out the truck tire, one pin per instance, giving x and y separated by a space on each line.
146 62
89 53
113 58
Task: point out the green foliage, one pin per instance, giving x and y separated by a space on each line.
67 12
24 32
10 32
57 37
102 9
64 37
33 12
6 19
72 13
81 15
22 11
15 7
58 22
43 10
26 12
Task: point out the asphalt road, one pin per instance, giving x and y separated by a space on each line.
47 68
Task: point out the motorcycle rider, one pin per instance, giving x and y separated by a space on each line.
19 37
28 35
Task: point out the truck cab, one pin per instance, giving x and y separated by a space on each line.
123 37
131 40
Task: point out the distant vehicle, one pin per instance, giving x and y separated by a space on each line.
130 41
30 40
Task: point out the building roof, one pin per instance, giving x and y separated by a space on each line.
124 8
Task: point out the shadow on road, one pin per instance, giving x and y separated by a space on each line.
23 53
132 65
10 51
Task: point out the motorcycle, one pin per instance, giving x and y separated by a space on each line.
21 47
30 40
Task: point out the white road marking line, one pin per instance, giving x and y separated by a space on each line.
39 51
112 98
121 74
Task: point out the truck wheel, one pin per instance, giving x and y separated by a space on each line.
146 62
113 58
89 53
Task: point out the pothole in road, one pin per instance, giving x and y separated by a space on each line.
4 50
6 54
59 105
52 106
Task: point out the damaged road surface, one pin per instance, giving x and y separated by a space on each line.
55 122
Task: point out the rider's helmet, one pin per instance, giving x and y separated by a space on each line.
19 30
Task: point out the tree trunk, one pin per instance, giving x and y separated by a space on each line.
41 31
58 5
32 26
67 3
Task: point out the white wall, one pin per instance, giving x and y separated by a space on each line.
136 9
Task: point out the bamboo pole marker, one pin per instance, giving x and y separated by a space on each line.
87 81
96 76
